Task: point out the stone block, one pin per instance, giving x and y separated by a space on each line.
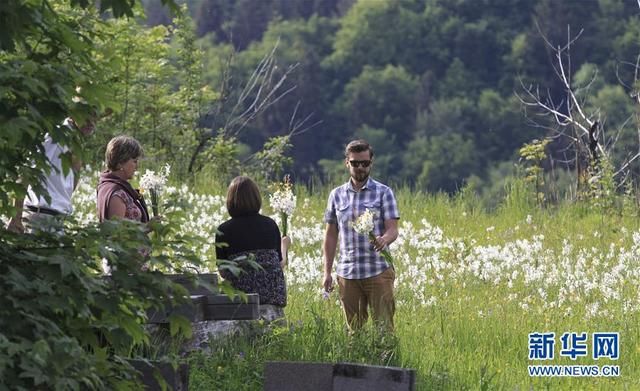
211 307
296 376
197 284
194 311
290 376
222 307
360 377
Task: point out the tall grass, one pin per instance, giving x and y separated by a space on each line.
458 329
471 286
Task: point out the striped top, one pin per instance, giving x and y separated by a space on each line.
358 259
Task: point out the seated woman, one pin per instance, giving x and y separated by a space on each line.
116 197
252 235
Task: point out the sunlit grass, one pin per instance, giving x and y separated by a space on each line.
471 286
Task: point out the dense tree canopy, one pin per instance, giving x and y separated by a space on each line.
409 72
424 70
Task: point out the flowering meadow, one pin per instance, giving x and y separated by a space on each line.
471 286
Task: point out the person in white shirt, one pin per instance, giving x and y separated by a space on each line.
34 209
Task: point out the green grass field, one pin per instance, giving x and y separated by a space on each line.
471 286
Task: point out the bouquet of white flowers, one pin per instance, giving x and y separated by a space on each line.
155 183
364 226
283 201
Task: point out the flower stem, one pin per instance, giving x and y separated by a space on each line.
387 257
154 201
285 224
385 251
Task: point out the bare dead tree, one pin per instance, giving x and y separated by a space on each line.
570 121
593 142
634 94
296 127
264 88
299 126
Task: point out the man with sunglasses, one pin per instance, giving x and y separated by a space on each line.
365 279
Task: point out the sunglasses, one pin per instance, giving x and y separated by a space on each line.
360 163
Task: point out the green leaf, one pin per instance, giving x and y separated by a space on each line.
180 325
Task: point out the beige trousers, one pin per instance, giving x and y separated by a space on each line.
375 292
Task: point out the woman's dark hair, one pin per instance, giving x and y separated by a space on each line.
243 197
119 150
356 146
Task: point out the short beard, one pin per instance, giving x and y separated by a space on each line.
364 178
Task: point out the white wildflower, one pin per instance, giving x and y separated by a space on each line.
157 181
283 201
364 223
154 183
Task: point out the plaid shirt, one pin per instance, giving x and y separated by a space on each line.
358 259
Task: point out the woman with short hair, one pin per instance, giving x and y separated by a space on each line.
250 235
116 197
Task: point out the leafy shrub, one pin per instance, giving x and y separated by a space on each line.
63 325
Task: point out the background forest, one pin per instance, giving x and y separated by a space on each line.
435 85
447 91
